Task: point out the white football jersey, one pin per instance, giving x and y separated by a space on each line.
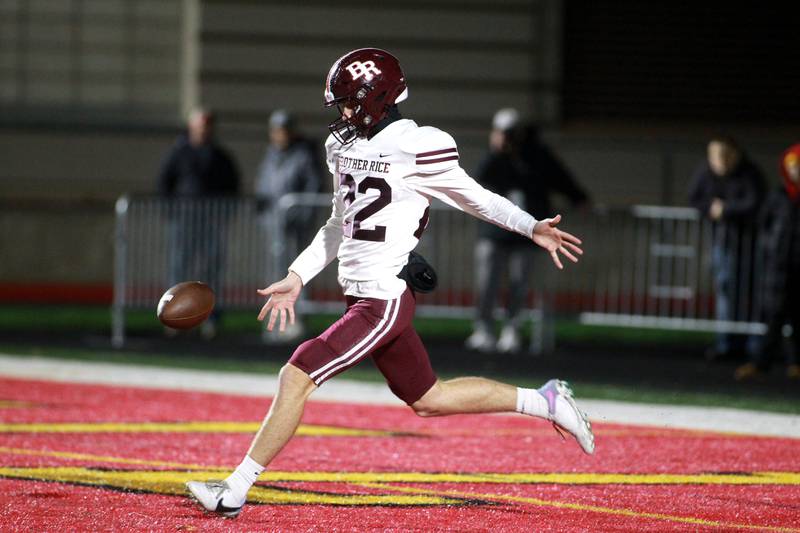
383 188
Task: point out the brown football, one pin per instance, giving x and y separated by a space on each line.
186 305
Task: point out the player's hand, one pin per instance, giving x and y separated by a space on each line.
555 241
282 296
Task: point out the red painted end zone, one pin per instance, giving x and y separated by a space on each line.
78 457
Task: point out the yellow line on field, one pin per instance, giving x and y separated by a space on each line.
381 480
17 404
306 430
566 478
173 482
588 478
634 431
582 507
309 430
107 459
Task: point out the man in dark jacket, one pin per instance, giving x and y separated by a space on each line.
291 164
779 284
728 189
522 168
197 167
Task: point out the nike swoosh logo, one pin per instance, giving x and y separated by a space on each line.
224 509
383 155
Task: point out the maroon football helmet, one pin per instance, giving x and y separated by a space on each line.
369 81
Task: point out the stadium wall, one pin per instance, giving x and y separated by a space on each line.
91 99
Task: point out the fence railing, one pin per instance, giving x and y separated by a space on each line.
658 270
647 266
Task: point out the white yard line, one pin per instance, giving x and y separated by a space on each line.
342 390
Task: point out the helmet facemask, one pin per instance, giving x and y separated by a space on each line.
343 129
346 129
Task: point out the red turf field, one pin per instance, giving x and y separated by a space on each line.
92 458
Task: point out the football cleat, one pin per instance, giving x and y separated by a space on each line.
211 495
564 413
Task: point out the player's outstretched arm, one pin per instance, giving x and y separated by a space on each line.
552 239
282 296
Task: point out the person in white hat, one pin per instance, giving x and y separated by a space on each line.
522 168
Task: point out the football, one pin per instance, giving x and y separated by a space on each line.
186 305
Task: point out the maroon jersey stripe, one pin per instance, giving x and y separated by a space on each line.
437 152
429 161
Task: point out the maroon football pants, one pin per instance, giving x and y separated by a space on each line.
381 329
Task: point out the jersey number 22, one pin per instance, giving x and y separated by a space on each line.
378 234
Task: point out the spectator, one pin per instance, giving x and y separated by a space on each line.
198 167
779 239
290 165
521 167
728 188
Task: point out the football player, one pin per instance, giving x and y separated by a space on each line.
386 170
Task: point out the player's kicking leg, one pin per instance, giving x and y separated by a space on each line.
405 364
553 401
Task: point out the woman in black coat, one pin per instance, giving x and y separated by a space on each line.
779 247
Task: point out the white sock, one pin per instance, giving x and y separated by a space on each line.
530 402
242 479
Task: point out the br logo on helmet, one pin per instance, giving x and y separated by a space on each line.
366 69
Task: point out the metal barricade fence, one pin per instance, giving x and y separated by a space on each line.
162 242
648 266
658 267
236 247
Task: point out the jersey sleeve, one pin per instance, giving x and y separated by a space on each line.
440 176
325 246
457 189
